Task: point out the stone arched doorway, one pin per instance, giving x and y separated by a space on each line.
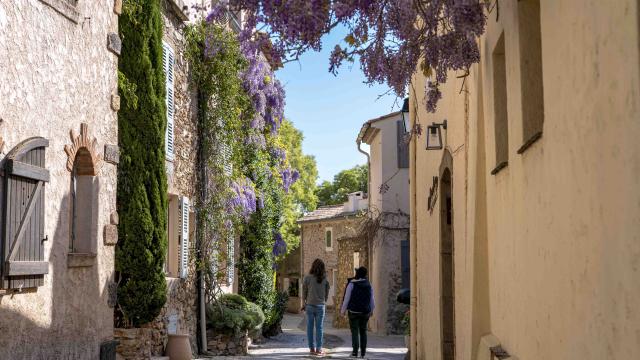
447 274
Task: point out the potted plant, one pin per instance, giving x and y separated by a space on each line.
406 325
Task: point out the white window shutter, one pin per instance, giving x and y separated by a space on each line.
226 158
231 259
184 244
168 63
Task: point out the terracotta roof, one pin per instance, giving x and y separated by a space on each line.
326 212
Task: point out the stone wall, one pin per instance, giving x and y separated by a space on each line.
314 246
346 270
58 72
228 344
385 273
179 313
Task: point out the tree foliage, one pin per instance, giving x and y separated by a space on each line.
301 196
345 182
142 183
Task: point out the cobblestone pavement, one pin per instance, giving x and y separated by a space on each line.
292 343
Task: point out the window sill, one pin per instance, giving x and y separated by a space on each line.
75 260
499 167
65 9
532 140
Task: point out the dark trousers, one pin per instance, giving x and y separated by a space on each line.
358 324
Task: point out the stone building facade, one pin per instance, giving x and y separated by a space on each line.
354 252
57 293
525 224
179 314
321 232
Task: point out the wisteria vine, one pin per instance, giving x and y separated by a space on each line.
390 39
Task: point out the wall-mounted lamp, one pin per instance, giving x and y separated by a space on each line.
434 135
405 115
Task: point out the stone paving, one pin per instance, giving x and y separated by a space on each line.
292 343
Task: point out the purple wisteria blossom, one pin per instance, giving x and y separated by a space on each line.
243 201
390 39
289 176
279 246
279 153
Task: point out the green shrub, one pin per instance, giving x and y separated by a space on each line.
273 325
142 182
232 313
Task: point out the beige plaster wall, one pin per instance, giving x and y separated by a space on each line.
547 250
384 168
56 75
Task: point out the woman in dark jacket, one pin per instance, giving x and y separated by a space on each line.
358 302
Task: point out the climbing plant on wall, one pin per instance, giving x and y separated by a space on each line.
142 183
244 169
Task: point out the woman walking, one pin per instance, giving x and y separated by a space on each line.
315 292
358 302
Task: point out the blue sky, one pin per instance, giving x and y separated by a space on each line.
330 110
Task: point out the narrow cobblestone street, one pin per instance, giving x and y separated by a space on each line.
292 343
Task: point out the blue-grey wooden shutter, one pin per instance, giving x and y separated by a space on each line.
168 62
403 146
23 204
404 260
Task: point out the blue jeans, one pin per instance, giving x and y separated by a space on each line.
315 313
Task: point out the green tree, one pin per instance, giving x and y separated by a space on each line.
301 196
345 182
142 182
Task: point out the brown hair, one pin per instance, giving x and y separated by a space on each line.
318 270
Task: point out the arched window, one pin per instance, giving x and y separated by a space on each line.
84 164
84 205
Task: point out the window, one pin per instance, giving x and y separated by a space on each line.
328 238
294 287
84 205
168 62
500 106
178 224
403 146
530 72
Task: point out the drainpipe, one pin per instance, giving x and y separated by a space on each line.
369 241
413 231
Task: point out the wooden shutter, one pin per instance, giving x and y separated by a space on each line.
404 260
184 238
226 158
168 62
231 261
403 146
23 201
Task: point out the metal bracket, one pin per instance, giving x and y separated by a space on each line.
498 352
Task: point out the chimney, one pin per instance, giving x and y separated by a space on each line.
355 201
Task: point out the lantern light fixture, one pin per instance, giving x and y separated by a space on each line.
406 120
434 135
